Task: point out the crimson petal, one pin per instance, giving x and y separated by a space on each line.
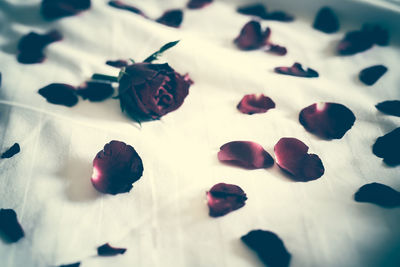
245 154
76 264
95 91
297 70
269 247
378 194
276 49
117 63
30 47
258 10
10 228
172 18
196 4
390 107
327 120
224 198
326 21
116 168
371 75
60 94
54 9
252 37
291 156
253 103
107 250
11 151
388 147
124 6
279 16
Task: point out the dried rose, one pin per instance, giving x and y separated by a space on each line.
54 9
224 198
116 168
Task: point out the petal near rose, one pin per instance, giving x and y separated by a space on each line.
326 21
172 18
297 70
253 103
122 5
252 37
224 198
388 147
327 120
269 247
291 156
116 168
14 149
95 91
10 229
54 9
196 4
378 194
107 250
372 74
390 107
60 94
245 154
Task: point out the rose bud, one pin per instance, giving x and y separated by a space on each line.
116 168
149 91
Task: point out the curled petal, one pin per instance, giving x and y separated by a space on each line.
372 74
107 250
224 198
60 94
95 91
120 63
54 9
327 120
11 151
172 18
326 21
10 228
116 168
245 154
121 5
297 70
378 194
252 37
291 156
390 107
269 247
196 4
276 49
253 103
388 147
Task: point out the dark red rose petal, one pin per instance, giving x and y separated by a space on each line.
258 10
291 156
390 107
95 91
11 151
388 147
116 168
276 49
327 120
378 35
297 70
378 194
245 154
253 103
30 47
172 18
252 37
10 229
195 4
76 264
224 198
54 9
124 6
326 21
279 16
60 94
117 63
107 250
269 247
371 75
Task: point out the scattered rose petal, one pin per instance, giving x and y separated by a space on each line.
10 229
124 6
252 37
327 120
76 264
245 154
291 156
378 194
371 75
326 21
259 10
390 107
224 198
279 16
172 18
117 63
54 9
195 4
107 250
297 70
275 49
253 103
11 151
60 94
269 247
95 91
116 168
30 47
388 147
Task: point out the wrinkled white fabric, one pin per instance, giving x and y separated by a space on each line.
164 220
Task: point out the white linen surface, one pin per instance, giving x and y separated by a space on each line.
164 220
